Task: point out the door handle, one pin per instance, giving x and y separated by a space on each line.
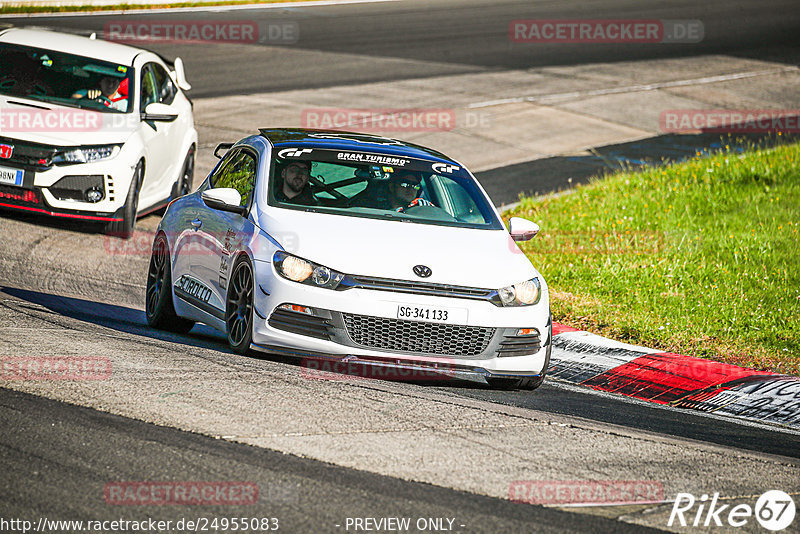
197 223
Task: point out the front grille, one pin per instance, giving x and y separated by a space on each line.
420 288
519 346
299 323
32 156
413 336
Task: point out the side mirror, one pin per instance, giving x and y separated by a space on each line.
222 146
522 229
224 199
159 112
180 75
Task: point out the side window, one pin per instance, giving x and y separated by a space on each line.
456 200
164 87
238 173
149 94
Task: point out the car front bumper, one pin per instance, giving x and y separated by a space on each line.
59 191
361 326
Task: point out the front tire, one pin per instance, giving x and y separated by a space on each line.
159 308
184 184
239 307
125 227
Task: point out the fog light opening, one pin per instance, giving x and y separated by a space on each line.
523 332
95 194
296 308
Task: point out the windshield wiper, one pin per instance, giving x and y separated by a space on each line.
27 104
57 101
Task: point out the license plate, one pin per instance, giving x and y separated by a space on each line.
431 314
11 176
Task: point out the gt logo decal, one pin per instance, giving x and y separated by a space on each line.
445 168
294 152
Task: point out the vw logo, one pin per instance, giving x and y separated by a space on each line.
423 271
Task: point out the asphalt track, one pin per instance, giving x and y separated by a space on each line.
387 41
67 482
555 397
420 38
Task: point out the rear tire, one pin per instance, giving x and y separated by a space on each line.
159 308
239 307
125 227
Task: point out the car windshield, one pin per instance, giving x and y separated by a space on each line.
379 186
64 79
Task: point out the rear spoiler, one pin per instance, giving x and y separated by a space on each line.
176 70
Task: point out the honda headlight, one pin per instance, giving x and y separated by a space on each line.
85 154
305 272
523 294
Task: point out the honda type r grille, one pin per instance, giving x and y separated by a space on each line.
419 337
28 155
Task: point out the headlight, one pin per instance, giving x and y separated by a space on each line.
295 269
86 154
305 272
523 294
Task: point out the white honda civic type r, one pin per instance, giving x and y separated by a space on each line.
353 248
91 130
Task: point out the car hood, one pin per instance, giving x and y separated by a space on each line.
390 249
51 124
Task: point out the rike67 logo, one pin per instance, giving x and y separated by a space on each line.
774 510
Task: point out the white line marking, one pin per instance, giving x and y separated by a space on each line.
196 9
633 88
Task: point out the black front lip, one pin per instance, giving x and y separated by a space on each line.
43 208
463 372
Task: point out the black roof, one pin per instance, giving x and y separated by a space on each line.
351 141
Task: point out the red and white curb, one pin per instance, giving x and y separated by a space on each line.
675 380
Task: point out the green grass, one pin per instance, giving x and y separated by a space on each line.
699 258
8 9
